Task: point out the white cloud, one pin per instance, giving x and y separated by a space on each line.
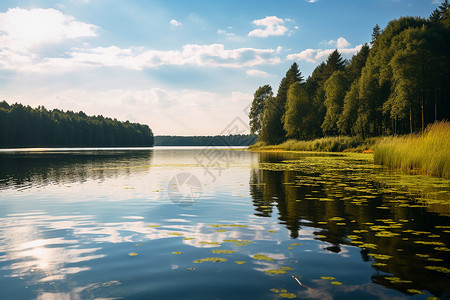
166 111
224 32
311 1
273 26
318 55
339 43
214 55
342 43
175 22
257 73
22 30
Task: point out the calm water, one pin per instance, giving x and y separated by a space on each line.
194 223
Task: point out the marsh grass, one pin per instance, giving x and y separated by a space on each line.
427 153
326 144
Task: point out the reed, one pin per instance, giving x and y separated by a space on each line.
427 153
326 144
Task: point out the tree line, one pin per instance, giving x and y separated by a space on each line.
23 126
396 84
218 140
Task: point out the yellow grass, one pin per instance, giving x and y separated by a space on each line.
427 153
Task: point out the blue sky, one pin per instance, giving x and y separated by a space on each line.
182 67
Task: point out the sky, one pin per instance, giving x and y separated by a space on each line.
182 67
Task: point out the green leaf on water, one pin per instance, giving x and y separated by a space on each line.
438 269
223 251
212 259
287 295
414 291
327 278
262 257
210 243
175 233
239 262
336 282
275 271
177 252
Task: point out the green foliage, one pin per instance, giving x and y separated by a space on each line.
298 108
259 99
398 86
335 89
375 33
424 153
272 131
23 126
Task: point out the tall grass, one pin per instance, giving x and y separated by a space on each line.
326 144
427 153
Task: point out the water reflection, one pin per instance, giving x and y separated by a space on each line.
398 222
25 169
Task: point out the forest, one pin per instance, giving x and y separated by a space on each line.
396 84
218 140
23 126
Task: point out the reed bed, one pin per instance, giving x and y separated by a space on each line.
326 144
427 153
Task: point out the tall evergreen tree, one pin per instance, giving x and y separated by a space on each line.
376 31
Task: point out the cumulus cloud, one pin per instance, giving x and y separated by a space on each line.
339 43
175 22
272 26
318 55
22 30
311 1
257 73
342 43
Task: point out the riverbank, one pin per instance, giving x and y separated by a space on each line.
427 153
326 144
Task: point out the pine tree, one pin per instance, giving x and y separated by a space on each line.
375 33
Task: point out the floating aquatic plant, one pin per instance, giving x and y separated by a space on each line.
439 269
275 271
177 252
239 262
175 233
223 251
262 257
132 254
212 259
327 278
210 243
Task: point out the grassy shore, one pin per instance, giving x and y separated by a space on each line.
427 153
327 144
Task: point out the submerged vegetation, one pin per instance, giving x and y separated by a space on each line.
426 153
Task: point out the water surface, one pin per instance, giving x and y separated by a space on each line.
114 224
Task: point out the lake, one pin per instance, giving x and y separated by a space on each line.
211 223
